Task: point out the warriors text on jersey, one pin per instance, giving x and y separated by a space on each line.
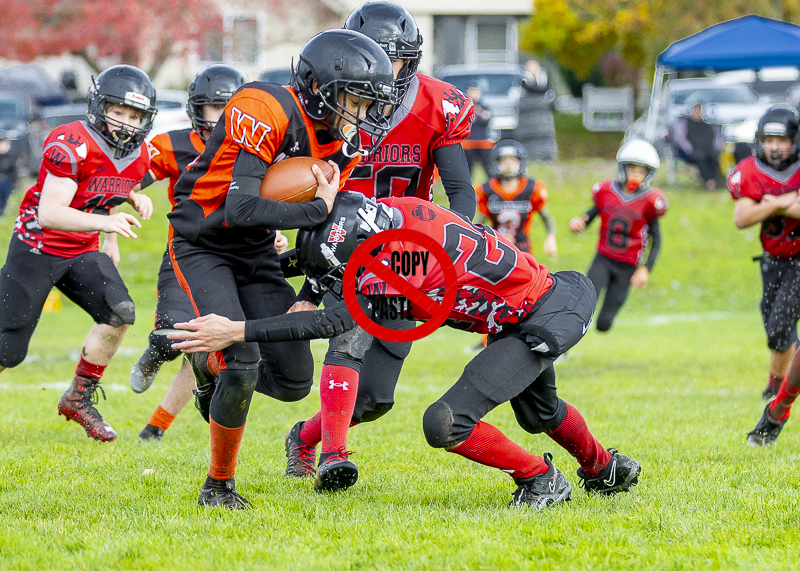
511 212
624 217
780 235
265 120
433 114
76 152
171 153
496 284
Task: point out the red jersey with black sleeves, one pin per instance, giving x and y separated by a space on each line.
496 283
76 152
265 120
171 153
780 235
624 218
511 212
433 114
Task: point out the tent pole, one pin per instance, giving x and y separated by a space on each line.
655 104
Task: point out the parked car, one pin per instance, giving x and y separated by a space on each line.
500 85
772 84
32 82
278 75
171 105
15 112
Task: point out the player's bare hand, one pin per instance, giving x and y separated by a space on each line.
281 242
550 245
111 249
142 203
577 225
327 190
302 306
207 333
793 210
121 223
640 277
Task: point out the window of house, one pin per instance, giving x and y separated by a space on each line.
491 40
239 40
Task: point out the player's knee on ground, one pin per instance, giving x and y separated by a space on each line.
367 410
438 426
122 313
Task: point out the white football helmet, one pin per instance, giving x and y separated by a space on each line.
638 152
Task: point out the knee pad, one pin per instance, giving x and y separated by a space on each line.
11 353
123 313
352 344
232 397
279 387
399 350
162 347
437 425
370 411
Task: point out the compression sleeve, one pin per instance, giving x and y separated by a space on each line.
549 220
244 207
147 180
303 325
591 214
655 245
451 162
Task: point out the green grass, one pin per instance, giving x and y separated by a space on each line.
575 141
676 384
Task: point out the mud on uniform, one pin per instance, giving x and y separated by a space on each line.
40 258
511 213
170 155
627 221
780 239
223 255
426 131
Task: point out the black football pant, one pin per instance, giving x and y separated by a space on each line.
615 278
517 366
90 280
780 303
245 285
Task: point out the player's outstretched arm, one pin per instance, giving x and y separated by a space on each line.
580 223
55 211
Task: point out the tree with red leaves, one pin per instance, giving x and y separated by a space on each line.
143 32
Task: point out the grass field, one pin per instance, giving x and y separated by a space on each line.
676 384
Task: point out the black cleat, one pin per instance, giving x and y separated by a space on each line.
222 493
335 472
300 457
620 475
542 490
144 371
766 431
206 373
151 432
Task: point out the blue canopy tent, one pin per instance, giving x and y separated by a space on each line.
749 42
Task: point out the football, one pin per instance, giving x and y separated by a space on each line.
292 180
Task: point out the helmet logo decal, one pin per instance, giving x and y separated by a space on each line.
247 130
137 99
775 129
337 231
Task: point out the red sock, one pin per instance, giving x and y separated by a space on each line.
161 418
488 446
574 436
337 390
311 433
89 370
781 405
225 443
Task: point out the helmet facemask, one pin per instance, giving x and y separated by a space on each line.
123 138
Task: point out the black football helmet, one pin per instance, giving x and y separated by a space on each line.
323 251
781 121
215 85
510 148
121 85
342 63
395 30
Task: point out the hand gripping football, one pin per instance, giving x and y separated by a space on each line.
292 180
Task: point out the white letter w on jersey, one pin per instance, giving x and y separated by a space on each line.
247 130
343 384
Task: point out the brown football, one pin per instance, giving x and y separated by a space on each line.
292 180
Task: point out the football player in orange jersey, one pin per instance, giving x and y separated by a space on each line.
88 168
222 239
170 155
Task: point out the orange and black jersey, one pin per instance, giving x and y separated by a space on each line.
218 202
170 155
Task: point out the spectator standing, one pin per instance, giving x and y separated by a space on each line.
478 146
699 143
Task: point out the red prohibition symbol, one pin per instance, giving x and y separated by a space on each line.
438 312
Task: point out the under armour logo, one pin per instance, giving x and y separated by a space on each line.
334 384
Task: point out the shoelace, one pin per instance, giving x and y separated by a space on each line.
341 454
93 393
305 456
